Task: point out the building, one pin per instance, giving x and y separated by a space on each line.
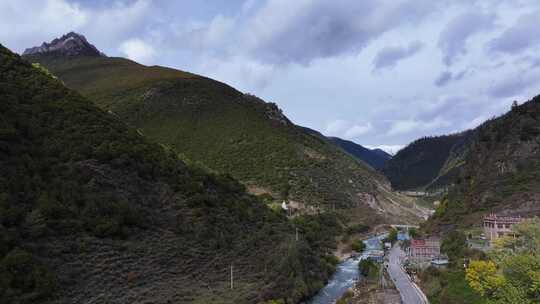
375 255
496 226
423 250
402 236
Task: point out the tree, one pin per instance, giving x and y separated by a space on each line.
413 233
368 268
454 245
358 246
392 236
514 104
513 273
482 276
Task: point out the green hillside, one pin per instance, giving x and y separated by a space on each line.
425 162
501 170
234 133
90 211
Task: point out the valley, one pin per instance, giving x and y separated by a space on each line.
131 183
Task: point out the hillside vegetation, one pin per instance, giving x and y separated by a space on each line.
426 162
500 171
234 133
376 158
90 211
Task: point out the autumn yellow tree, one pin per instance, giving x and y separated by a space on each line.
512 274
483 277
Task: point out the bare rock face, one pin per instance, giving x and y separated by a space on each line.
70 44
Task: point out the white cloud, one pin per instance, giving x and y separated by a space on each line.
357 130
453 39
390 149
137 50
345 129
410 125
335 128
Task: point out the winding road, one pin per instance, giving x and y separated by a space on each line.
410 293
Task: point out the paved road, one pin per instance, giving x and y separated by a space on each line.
410 293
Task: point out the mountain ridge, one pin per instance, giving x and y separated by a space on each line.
70 44
232 132
376 158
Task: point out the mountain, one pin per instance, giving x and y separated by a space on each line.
230 132
429 162
376 158
373 157
91 211
500 171
71 44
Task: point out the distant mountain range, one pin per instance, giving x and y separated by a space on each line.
376 158
492 168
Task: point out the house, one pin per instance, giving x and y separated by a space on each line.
423 250
496 226
375 255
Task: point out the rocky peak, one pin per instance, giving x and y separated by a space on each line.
70 44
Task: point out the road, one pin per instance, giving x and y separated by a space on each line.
410 293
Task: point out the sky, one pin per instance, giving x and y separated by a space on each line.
378 72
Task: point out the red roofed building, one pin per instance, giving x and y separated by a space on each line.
423 250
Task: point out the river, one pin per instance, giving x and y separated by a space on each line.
345 276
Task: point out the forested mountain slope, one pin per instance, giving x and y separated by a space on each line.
427 162
232 132
376 158
90 211
501 170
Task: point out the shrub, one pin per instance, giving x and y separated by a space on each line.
358 246
358 228
20 273
368 269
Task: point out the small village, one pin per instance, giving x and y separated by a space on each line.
402 254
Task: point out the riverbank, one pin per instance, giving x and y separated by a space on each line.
346 275
379 290
344 247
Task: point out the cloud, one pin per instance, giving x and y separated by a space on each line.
301 31
513 85
358 130
390 149
242 73
209 37
28 23
137 50
453 39
410 125
345 129
334 128
475 122
524 34
446 77
388 57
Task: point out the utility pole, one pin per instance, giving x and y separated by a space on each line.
297 234
232 277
